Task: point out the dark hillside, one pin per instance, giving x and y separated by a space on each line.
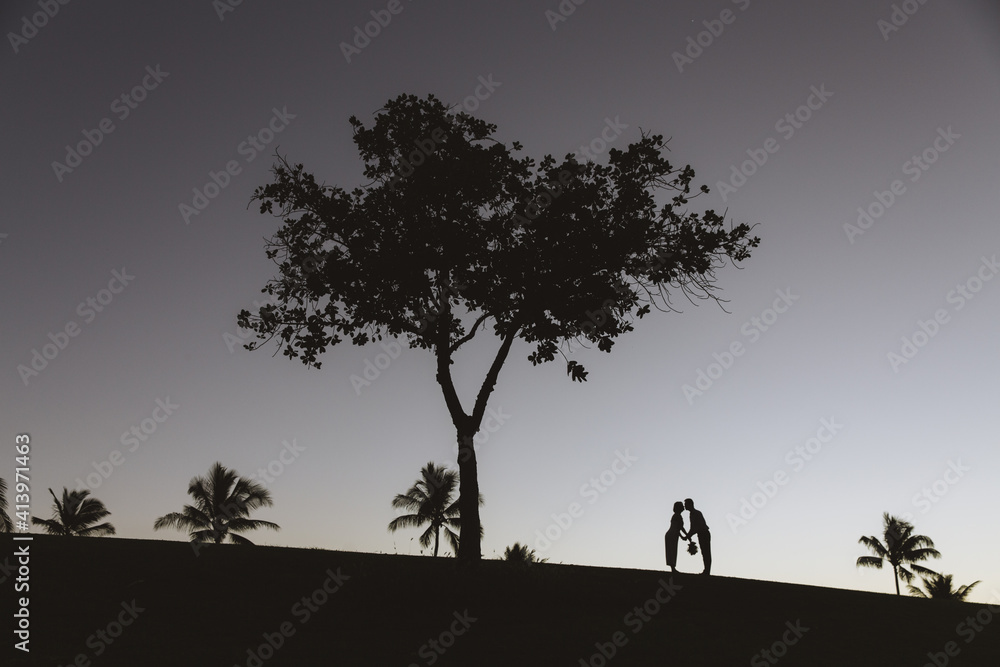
220 608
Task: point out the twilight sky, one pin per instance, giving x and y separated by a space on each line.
865 323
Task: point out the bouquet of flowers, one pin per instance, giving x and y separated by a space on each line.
692 547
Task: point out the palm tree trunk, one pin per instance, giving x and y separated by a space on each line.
895 572
437 538
469 548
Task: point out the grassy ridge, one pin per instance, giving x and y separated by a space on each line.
211 609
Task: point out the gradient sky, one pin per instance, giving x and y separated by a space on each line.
890 96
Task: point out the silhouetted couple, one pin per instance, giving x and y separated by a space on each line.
697 527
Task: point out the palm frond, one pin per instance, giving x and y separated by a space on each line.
902 549
76 514
243 524
6 524
452 538
964 591
923 554
51 526
431 501
172 520
874 545
921 570
100 529
428 536
407 521
407 502
223 501
869 561
939 587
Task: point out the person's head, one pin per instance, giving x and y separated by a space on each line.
689 504
678 507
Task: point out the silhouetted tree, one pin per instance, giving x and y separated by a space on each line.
454 235
6 525
520 553
222 504
76 515
430 500
939 587
901 548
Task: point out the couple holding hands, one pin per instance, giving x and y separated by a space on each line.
697 527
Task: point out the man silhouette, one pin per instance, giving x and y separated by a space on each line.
700 528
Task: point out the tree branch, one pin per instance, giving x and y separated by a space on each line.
472 332
491 377
442 350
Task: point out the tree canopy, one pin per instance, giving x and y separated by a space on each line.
430 500
223 501
77 515
454 234
902 548
940 587
6 525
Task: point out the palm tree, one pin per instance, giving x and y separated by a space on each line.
6 525
520 553
901 548
431 500
76 515
222 504
939 588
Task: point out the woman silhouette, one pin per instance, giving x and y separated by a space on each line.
676 531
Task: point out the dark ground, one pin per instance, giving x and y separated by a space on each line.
217 607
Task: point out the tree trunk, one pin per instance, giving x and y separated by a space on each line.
437 538
469 547
466 427
895 573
